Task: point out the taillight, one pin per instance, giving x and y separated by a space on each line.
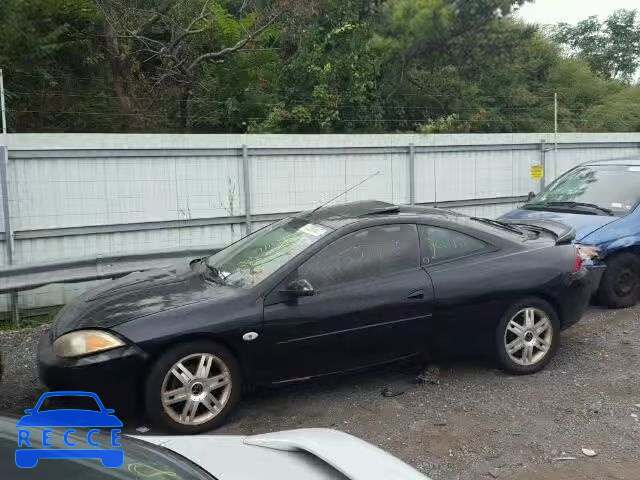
578 262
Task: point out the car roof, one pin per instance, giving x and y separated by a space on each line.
633 161
364 212
337 216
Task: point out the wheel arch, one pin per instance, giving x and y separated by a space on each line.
536 295
555 304
194 337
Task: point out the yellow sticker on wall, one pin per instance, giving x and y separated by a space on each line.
537 172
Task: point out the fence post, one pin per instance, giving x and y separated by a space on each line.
543 163
246 182
412 174
8 229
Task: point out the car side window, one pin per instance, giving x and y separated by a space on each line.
364 254
441 244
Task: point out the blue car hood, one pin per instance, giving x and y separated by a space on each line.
583 224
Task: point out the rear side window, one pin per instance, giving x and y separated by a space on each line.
362 255
441 244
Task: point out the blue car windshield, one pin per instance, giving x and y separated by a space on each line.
612 187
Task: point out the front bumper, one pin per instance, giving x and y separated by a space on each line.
116 375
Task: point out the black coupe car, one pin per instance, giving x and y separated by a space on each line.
332 290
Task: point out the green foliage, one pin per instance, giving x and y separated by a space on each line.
319 66
619 112
331 84
49 46
610 47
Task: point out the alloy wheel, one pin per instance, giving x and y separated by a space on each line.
196 389
528 336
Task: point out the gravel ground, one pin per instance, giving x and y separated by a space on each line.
477 423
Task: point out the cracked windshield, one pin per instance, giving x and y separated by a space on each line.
612 187
255 257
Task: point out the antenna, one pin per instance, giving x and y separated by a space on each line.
345 192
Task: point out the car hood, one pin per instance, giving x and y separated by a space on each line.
137 295
583 224
312 454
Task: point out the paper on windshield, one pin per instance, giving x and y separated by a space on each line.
314 230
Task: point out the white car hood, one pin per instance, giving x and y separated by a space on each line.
311 454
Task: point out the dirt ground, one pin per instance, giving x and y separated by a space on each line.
477 423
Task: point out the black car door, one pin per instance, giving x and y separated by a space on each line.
371 304
463 277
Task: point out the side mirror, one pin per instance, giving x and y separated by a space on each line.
531 196
29 411
298 288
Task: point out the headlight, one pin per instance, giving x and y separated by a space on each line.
84 342
587 252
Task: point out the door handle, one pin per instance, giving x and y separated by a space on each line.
417 295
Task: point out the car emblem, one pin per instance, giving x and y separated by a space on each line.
249 336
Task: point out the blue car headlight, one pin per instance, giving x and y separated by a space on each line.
588 252
85 342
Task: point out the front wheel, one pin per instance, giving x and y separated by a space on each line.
527 337
620 285
192 388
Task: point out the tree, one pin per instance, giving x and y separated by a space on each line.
462 68
611 47
49 48
314 66
619 112
166 46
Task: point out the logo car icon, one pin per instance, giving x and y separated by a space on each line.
68 419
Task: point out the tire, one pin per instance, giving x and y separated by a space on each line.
542 344
198 398
620 285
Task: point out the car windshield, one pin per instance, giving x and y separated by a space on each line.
254 258
613 189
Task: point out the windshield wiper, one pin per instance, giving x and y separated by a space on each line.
499 224
214 272
570 205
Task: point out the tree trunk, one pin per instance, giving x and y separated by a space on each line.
120 77
183 118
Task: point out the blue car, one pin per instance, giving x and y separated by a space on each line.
68 419
600 200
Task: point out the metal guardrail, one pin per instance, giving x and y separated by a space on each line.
27 277
17 278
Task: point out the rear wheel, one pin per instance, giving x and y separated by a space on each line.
620 285
192 388
527 336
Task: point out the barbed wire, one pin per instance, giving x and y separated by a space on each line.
549 96
262 118
342 106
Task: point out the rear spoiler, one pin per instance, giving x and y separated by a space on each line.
563 233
